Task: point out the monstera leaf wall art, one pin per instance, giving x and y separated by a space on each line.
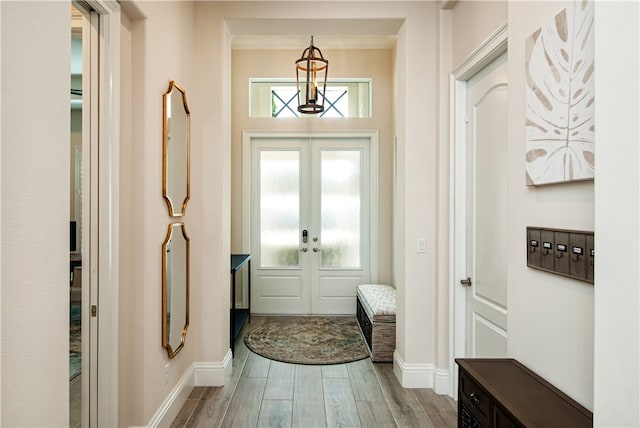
560 98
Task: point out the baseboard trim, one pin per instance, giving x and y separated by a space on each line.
213 374
198 374
420 375
441 382
169 409
412 375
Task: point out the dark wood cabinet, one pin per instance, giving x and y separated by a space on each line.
503 393
237 316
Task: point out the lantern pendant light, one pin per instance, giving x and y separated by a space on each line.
311 71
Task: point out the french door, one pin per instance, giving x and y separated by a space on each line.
310 223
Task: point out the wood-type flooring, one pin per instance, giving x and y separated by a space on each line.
264 393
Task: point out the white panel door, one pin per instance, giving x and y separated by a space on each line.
310 224
487 211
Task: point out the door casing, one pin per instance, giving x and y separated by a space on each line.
492 48
101 233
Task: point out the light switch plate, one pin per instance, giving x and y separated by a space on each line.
422 245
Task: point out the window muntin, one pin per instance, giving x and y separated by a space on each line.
345 98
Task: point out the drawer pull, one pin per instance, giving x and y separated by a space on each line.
474 398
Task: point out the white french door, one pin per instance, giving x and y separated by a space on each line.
311 223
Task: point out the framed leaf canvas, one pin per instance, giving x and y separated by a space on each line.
560 130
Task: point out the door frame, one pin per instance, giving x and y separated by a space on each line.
101 192
494 46
372 136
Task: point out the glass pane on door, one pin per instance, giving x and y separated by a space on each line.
279 208
340 214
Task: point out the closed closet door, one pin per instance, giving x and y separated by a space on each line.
487 211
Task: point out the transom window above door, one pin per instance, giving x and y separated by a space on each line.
344 98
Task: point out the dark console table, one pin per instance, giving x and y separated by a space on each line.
239 316
505 393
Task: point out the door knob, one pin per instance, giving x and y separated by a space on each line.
466 282
316 249
304 249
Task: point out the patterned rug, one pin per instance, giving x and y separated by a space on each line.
75 342
308 340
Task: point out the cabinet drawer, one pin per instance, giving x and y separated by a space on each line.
503 420
475 395
466 418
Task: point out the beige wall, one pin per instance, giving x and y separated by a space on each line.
154 50
443 290
159 44
473 22
374 64
34 374
210 183
617 295
417 192
131 350
550 318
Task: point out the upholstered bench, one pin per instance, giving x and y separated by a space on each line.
376 313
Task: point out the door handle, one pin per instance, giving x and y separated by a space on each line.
466 282
304 249
316 249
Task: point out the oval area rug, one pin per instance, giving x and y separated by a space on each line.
308 340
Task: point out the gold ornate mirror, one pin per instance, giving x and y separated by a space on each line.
175 288
175 150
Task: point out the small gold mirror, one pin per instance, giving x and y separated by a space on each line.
175 150
175 288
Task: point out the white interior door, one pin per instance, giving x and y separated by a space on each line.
486 312
310 224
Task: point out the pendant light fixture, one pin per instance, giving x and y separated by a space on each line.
311 71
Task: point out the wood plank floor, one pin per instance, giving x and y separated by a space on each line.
264 393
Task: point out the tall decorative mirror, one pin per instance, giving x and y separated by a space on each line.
175 149
175 288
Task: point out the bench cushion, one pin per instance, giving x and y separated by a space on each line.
378 301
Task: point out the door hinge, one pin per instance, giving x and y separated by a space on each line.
94 310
